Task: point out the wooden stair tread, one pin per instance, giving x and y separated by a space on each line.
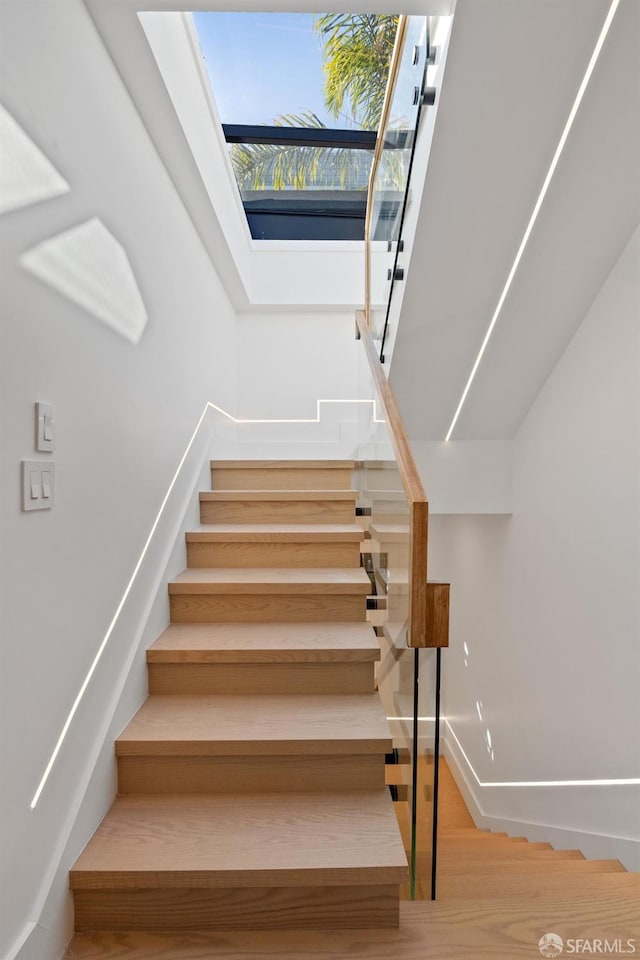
461 930
275 580
492 885
264 643
462 856
489 839
531 867
283 464
390 532
275 532
244 840
470 830
274 724
270 495
475 833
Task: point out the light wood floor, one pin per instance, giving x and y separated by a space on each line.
469 930
496 897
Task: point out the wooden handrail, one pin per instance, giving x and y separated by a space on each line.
420 632
394 69
406 464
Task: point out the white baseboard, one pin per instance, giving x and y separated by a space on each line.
594 846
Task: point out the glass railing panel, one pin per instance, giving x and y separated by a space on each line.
388 189
405 676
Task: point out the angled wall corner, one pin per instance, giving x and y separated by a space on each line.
89 266
26 175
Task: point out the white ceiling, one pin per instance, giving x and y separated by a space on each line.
513 71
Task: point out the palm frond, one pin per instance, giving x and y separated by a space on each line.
272 166
357 50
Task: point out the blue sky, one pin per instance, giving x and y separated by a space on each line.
263 64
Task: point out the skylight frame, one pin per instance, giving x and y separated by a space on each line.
166 86
216 122
335 221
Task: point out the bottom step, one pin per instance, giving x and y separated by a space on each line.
253 861
466 930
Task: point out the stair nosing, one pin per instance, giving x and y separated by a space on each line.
302 581
206 841
283 464
274 533
218 725
160 748
266 643
269 496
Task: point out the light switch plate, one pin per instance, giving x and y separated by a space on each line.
38 484
45 428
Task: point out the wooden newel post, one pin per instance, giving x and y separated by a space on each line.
437 614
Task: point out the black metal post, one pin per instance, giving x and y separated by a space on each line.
414 777
436 776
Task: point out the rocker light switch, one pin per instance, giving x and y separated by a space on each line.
34 484
38 484
45 428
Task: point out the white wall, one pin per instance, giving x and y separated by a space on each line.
125 414
466 476
547 601
287 362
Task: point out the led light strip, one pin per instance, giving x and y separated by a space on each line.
136 570
622 782
411 718
316 419
630 781
538 205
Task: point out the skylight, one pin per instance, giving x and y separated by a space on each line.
299 97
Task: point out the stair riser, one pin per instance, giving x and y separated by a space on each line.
202 554
261 774
253 908
274 608
185 678
397 553
377 617
277 511
384 480
237 478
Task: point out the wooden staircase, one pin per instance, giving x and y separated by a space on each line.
251 787
496 897
252 808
